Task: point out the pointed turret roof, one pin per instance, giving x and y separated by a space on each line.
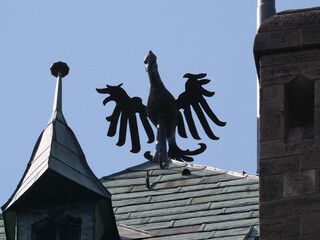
57 170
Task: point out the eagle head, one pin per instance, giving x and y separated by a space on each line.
150 62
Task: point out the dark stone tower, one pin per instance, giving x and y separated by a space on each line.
287 54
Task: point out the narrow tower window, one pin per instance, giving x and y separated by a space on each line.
300 105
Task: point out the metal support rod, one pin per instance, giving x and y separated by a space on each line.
161 154
57 104
59 70
266 9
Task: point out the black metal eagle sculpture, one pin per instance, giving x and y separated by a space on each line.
163 110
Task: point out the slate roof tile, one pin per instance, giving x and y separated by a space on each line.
207 204
2 232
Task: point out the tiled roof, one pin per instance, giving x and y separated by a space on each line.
206 204
2 233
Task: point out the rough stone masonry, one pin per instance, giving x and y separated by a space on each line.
287 55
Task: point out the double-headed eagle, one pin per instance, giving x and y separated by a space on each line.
163 110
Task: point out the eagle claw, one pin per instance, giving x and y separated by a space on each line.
184 155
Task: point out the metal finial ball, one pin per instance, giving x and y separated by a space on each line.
59 67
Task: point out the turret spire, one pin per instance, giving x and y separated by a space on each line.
59 70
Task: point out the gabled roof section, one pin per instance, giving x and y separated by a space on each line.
186 201
56 156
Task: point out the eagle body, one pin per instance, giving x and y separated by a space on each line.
165 112
160 102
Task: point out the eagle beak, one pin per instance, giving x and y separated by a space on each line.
150 61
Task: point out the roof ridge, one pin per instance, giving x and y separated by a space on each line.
180 165
216 169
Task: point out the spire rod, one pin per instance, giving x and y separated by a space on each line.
59 70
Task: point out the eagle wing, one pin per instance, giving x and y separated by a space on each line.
194 97
127 107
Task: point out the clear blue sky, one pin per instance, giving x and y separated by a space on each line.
104 42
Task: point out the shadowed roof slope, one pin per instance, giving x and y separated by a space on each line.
208 203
